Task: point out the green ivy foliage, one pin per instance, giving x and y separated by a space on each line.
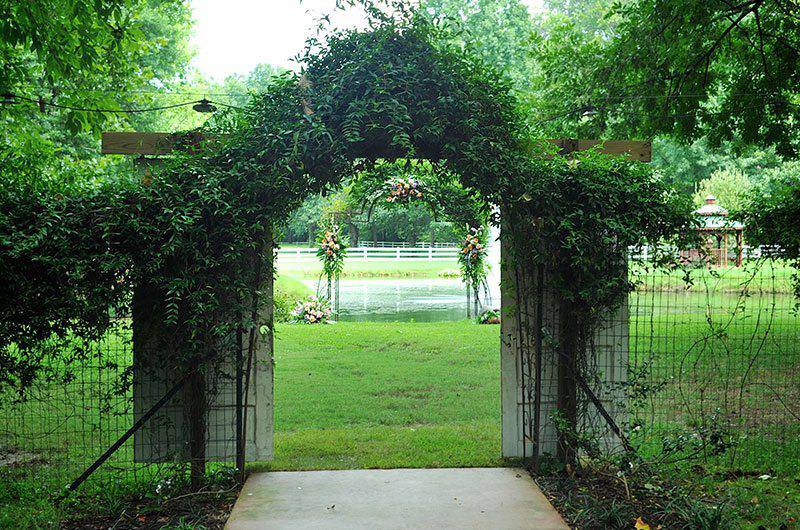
194 231
579 217
62 273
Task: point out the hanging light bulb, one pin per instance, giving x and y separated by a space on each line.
204 106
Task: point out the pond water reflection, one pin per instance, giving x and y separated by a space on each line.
401 300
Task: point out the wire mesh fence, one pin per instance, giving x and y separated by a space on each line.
701 362
87 401
715 355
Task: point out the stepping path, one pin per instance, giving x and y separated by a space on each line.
479 498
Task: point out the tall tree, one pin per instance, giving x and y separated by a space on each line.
720 69
499 30
58 57
91 53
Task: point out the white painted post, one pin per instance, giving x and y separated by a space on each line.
164 437
610 345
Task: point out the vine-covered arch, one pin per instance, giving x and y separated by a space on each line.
393 92
193 239
406 183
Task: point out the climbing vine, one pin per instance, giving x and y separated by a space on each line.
193 232
396 97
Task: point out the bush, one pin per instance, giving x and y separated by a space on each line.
490 316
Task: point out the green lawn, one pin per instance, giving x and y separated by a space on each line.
357 395
360 395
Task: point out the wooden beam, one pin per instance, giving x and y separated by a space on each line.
641 151
638 150
135 143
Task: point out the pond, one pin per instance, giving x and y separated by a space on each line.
401 300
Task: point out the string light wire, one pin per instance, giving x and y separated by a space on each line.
43 104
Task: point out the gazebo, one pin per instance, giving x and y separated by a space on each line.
724 238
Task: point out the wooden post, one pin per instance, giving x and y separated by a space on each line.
196 415
469 304
566 364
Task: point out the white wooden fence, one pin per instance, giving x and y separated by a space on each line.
375 253
435 253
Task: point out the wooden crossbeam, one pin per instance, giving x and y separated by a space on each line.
134 143
154 143
638 150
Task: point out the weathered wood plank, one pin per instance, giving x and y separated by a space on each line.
135 143
150 143
641 151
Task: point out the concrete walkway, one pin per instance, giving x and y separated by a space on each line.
480 498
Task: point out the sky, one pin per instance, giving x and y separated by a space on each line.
233 36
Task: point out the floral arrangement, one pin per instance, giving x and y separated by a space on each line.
332 250
312 311
473 249
490 316
472 259
404 190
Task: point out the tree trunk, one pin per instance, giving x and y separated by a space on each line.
354 233
569 346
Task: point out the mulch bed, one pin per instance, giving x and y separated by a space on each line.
204 509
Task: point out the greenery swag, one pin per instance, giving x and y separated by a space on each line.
196 230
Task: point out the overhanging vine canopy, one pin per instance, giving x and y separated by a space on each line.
195 230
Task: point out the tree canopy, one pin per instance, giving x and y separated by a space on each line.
91 54
722 70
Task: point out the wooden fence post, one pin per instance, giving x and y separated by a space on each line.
196 415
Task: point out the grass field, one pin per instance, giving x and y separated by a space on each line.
377 395
360 395
420 395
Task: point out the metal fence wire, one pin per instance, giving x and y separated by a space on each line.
700 363
70 418
706 358
715 352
